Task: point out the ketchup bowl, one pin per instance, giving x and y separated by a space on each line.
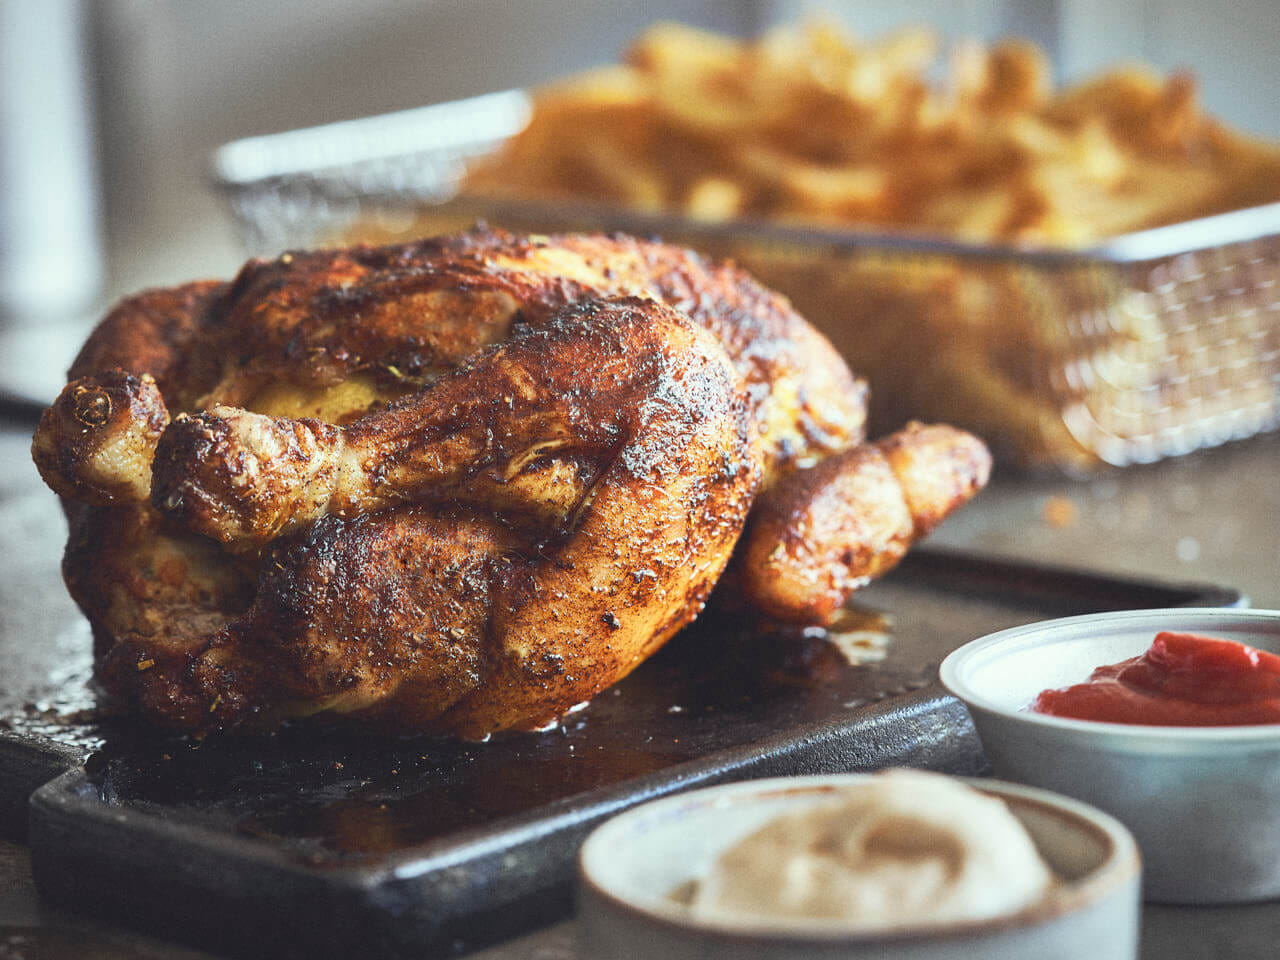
1202 801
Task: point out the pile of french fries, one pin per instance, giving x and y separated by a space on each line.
808 125
1063 367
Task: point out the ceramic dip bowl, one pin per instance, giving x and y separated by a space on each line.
637 872
1203 802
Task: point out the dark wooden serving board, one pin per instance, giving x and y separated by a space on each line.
318 843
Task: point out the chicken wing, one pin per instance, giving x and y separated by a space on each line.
97 442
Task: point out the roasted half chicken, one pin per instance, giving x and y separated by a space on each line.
463 484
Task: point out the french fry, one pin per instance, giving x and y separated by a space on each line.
808 124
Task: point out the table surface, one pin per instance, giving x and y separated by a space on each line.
1213 516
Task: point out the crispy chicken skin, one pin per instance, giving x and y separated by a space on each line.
462 484
516 431
819 534
460 610
97 442
153 334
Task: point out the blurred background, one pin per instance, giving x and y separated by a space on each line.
112 108
110 111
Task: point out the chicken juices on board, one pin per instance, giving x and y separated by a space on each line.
462 484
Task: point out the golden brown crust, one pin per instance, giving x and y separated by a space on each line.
134 578
939 468
155 332
522 620
244 478
458 485
388 611
823 532
407 313
96 442
404 314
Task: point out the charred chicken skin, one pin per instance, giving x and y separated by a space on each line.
463 484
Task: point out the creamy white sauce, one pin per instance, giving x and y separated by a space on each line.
904 850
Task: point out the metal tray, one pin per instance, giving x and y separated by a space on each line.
1148 345
322 844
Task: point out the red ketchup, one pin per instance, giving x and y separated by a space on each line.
1182 681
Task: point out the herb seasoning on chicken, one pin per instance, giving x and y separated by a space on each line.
463 484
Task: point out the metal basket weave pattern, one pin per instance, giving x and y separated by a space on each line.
1150 345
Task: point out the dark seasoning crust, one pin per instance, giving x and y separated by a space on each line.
539 478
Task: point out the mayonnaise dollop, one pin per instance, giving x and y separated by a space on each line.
903 850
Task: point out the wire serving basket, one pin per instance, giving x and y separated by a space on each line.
1149 345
